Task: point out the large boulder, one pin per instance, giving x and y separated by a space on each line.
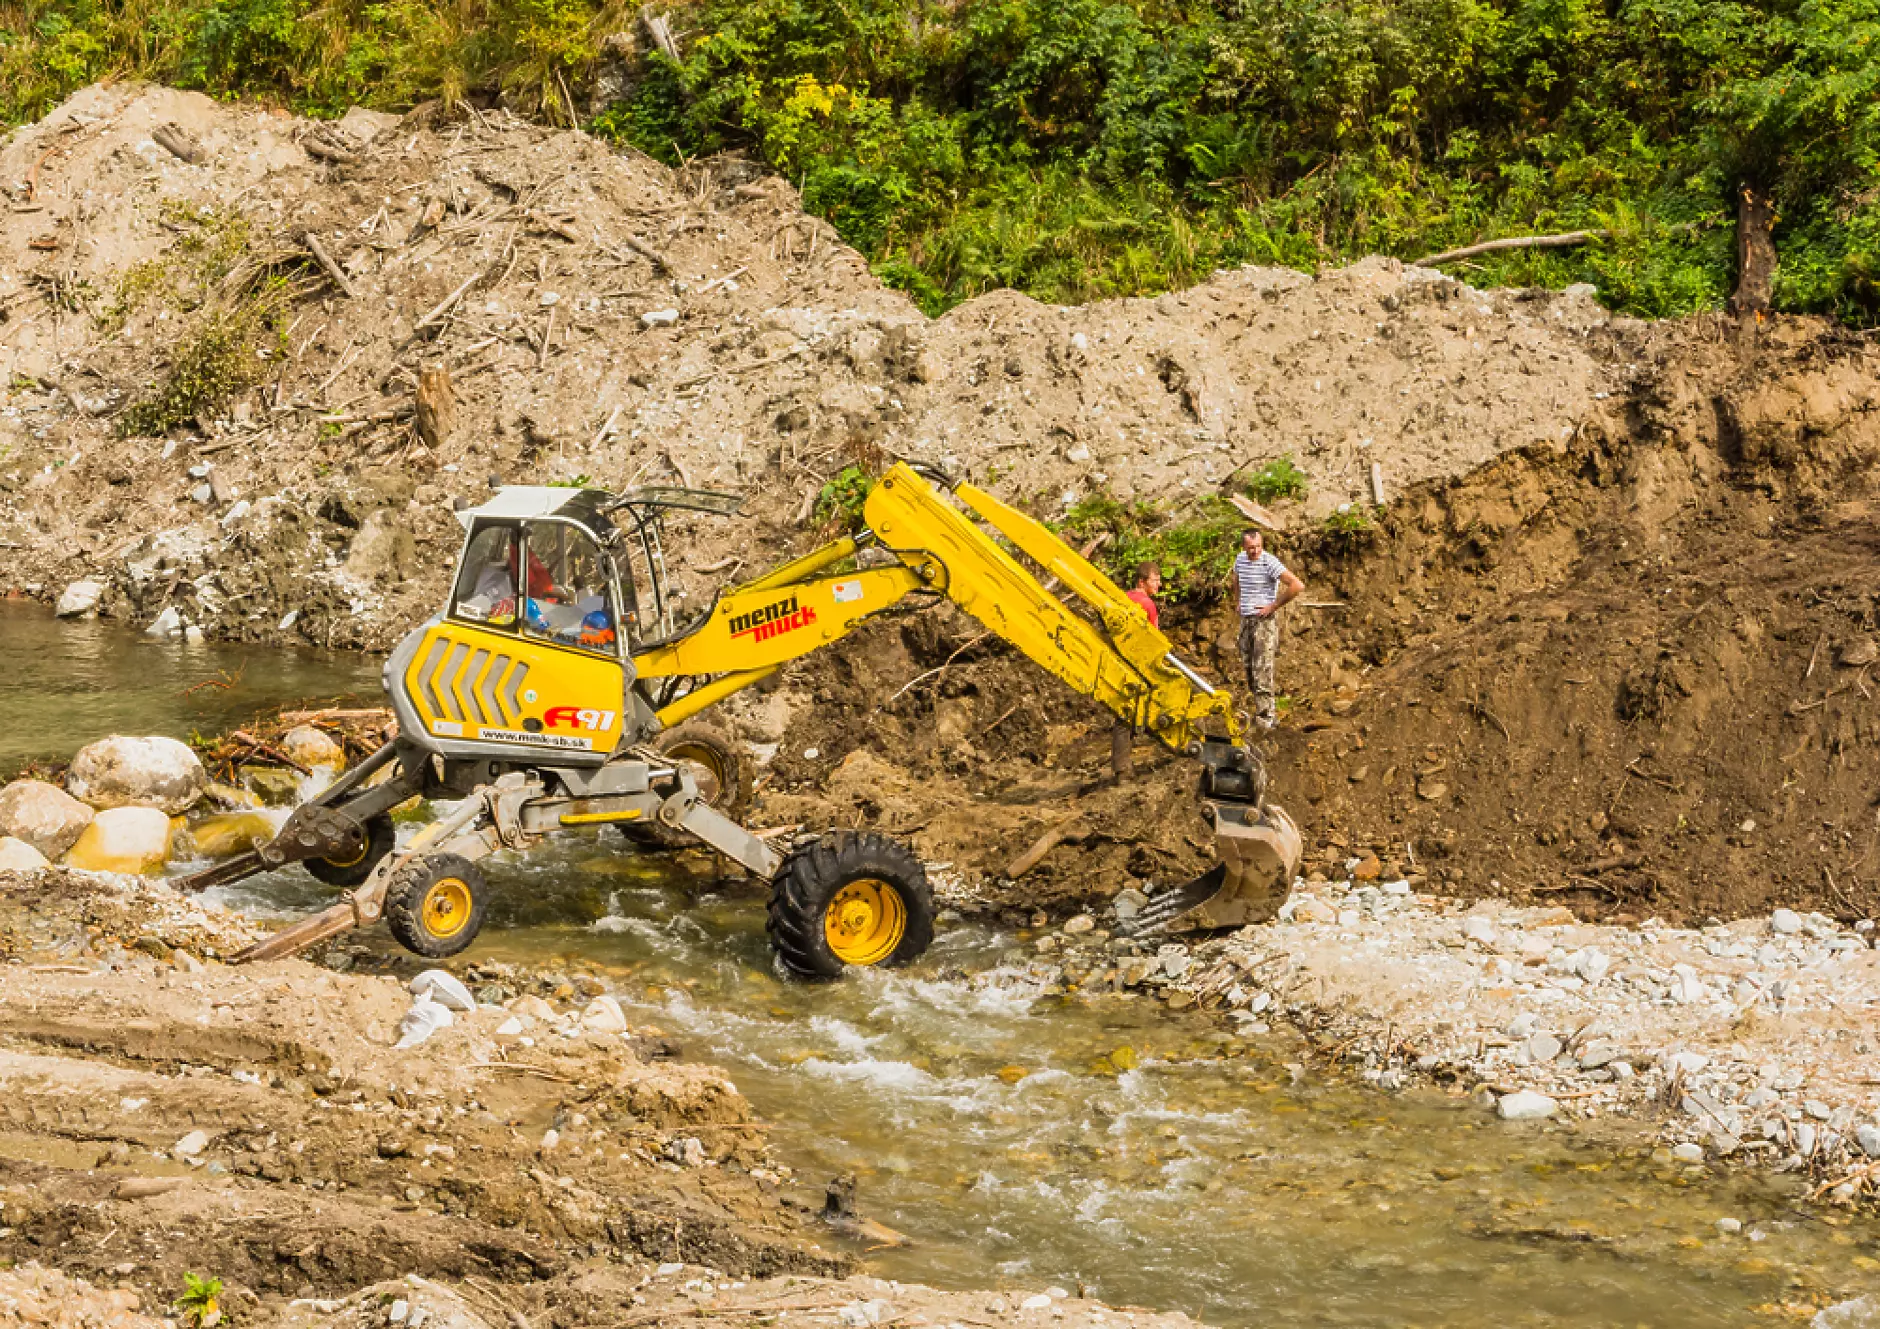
79 600
129 840
18 856
230 833
43 815
313 748
124 772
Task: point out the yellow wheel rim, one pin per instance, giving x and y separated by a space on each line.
707 761
865 922
446 908
356 859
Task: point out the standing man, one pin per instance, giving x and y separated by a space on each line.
1123 733
1264 585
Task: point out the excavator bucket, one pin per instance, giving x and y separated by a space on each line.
1260 850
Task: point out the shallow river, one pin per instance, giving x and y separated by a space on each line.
1247 1189
64 684
1225 1177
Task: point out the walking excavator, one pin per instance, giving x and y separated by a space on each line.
550 693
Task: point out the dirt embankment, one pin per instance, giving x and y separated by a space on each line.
602 316
161 1114
1632 674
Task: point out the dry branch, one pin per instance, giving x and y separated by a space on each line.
1565 240
327 265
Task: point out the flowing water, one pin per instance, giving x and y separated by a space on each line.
63 684
1024 1140
1218 1174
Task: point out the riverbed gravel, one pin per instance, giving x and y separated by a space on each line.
1750 1041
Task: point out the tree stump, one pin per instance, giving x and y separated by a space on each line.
1755 252
437 407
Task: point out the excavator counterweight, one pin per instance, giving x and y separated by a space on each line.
558 689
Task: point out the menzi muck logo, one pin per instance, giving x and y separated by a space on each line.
773 620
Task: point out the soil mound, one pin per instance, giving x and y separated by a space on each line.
198 415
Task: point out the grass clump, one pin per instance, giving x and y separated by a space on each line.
1348 527
1278 479
841 499
1193 542
230 351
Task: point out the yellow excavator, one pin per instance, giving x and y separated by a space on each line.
549 694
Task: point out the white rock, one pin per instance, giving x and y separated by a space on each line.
313 747
194 635
443 988
1591 964
669 1269
1525 1105
686 1151
1036 1303
660 318
1400 887
1688 1152
288 620
1543 1047
1785 921
510 1028
1860 1313
1478 930
168 624
424 1018
128 840
1729 1226
191 1145
123 772
1689 1062
1080 924
1805 1138
1867 1136
400 1309
18 856
604 1015
43 815
1130 902
79 600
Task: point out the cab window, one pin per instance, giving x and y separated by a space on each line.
566 598
486 586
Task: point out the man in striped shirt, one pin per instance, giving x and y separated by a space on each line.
1264 586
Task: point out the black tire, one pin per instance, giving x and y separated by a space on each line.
811 884
722 768
434 904
381 839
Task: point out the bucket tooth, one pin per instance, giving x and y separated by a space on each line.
1260 851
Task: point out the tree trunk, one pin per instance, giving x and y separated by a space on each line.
1755 252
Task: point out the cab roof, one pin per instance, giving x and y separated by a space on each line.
523 502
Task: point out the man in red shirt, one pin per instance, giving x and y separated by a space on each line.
1122 734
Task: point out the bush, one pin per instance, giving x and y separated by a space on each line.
1276 480
840 501
1194 544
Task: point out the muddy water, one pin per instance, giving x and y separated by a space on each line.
74 682
1219 1175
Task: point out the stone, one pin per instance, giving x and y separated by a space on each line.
1688 986
1597 1055
531 1006
1399 887
79 600
1035 1303
1311 909
43 815
1432 791
1543 1047
1130 902
1689 1062
1688 1152
191 1145
273 785
604 1015
1525 1105
121 772
1590 964
660 318
167 624
313 748
443 988
1867 1136
227 834
1079 925
1368 869
381 550
1806 1137
686 1151
1785 921
18 856
1176 965
1478 930
1817 1109
129 840
1860 1313
1729 1226
424 1018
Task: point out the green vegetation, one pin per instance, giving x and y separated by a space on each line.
230 350
1194 542
1351 525
840 500
200 1304
1278 479
1084 148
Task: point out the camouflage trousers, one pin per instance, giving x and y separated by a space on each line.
1259 643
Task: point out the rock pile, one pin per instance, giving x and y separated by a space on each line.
114 814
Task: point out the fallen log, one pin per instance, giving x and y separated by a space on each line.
1565 240
1045 843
